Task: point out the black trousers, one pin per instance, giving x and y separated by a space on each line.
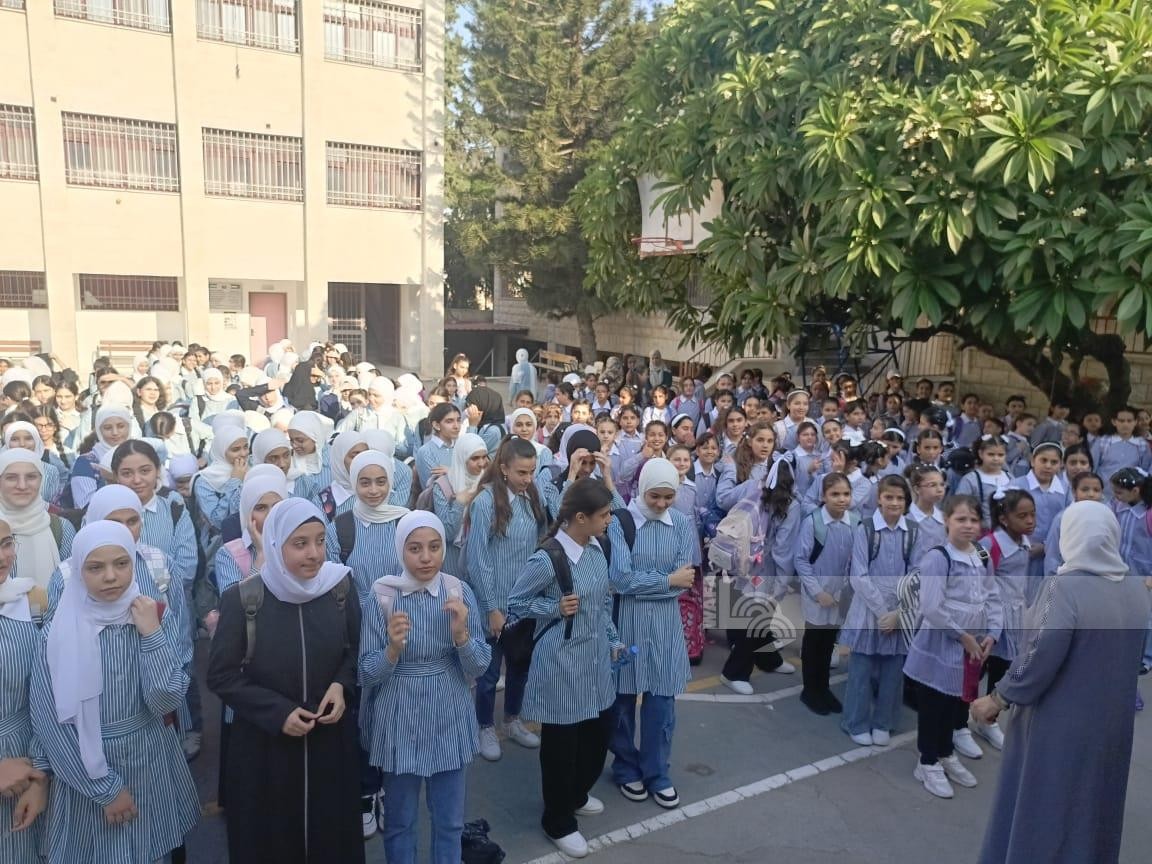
571 761
937 715
816 651
746 654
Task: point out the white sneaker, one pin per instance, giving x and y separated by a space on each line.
934 780
573 845
881 738
634 791
741 687
835 662
965 744
192 742
500 685
490 744
592 807
515 730
368 816
667 798
785 668
990 732
956 771
864 739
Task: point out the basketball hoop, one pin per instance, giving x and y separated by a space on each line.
655 247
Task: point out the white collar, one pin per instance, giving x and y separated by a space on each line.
688 481
441 443
828 520
959 557
1007 545
152 506
856 474
879 523
640 518
918 515
571 548
432 587
700 472
1055 488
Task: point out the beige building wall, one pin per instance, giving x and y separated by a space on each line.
56 64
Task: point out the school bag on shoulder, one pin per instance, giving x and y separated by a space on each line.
252 598
346 534
820 533
739 542
908 593
425 500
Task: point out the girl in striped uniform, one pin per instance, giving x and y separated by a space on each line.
872 626
112 427
522 423
788 427
1014 515
273 447
263 489
384 442
570 684
807 456
452 495
989 476
1086 486
103 683
422 646
339 496
927 482
506 520
706 474
744 475
1043 483
23 435
20 828
434 457
648 579
217 487
308 431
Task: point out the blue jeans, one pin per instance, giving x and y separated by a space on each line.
650 763
514 683
445 807
1147 661
873 693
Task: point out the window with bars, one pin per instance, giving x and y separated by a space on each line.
23 289
373 33
259 23
129 293
139 14
116 153
11 4
364 176
246 165
17 143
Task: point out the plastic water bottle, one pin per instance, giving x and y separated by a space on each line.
626 657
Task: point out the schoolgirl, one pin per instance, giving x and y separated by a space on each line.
339 496
1014 518
434 457
48 430
855 416
1043 483
788 427
490 424
217 486
1131 500
420 650
659 409
1018 448
928 449
169 528
807 456
876 429
1085 486
631 439
22 435
1077 460
730 428
823 555
723 400
401 487
681 429
72 415
1122 449
655 440
607 431
263 489
108 669
522 424
452 494
864 467
872 626
961 616
706 475
113 426
988 478
744 475
927 483
895 440
571 689
831 434
273 447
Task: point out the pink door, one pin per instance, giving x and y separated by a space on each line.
269 313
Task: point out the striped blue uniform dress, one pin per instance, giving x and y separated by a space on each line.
874 591
1050 504
495 560
19 643
142 681
177 541
772 575
804 462
1052 557
492 435
982 487
422 721
217 506
227 570
957 595
52 482
401 484
434 454
649 611
309 485
1111 453
629 445
706 486
451 513
829 573
373 553
863 493
729 490
570 679
343 507
1012 583
1135 540
930 532
786 434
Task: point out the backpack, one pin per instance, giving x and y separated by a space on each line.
252 598
908 593
739 542
387 595
241 556
426 499
820 534
911 534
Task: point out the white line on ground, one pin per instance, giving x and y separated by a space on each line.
755 698
726 799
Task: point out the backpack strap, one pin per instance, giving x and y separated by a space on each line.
911 535
563 572
177 510
57 528
251 599
340 593
446 487
819 536
346 534
997 554
627 525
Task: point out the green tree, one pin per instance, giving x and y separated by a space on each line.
537 85
979 168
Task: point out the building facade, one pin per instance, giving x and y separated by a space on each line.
229 172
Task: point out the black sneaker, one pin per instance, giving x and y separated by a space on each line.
815 703
833 703
634 791
667 798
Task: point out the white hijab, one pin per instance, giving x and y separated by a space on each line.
31 525
311 424
404 581
1090 541
267 442
106 413
341 480
466 446
14 596
258 482
384 512
530 414
73 643
657 473
108 499
219 469
380 440
386 390
24 426
283 519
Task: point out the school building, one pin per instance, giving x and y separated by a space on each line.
230 172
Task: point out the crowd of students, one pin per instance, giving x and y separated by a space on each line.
374 561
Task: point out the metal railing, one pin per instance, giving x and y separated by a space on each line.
117 153
361 175
257 23
247 165
374 34
18 143
138 14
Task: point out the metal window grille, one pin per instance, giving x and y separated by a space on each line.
346 322
245 165
129 293
139 14
364 176
11 4
373 33
17 143
23 289
116 153
259 23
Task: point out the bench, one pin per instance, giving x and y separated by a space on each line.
551 361
15 349
122 352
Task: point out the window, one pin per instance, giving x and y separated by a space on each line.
11 4
17 143
373 33
259 23
115 153
362 176
129 293
140 14
244 165
23 289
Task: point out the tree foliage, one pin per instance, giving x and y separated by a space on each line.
979 166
